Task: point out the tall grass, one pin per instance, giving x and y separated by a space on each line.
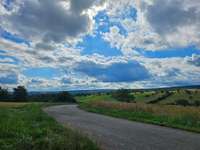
11 104
187 118
29 128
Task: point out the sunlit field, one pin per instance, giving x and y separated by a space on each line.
176 111
11 104
25 126
174 95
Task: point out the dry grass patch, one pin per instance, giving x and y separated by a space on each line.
11 104
169 110
187 118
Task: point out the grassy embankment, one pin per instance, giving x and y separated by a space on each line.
26 127
187 118
189 95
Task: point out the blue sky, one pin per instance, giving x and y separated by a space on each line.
95 44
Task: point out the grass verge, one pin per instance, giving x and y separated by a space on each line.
187 118
27 127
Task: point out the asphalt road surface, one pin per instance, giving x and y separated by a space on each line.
118 134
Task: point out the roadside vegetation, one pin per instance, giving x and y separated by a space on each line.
20 94
26 127
172 108
191 97
23 124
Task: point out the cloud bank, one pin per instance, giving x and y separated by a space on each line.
55 35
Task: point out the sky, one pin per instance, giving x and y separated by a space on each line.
99 44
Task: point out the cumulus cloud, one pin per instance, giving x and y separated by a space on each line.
177 21
133 40
157 24
30 57
194 60
51 28
49 20
116 72
9 74
171 71
6 60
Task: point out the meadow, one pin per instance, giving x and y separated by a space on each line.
26 127
165 112
172 96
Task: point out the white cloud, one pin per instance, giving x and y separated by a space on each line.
171 71
157 25
52 43
194 60
6 60
49 20
176 21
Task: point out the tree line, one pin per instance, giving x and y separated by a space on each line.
20 94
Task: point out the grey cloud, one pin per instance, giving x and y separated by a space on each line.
166 16
80 5
35 81
116 72
194 60
44 46
49 20
173 72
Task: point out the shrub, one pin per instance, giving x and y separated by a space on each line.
188 92
196 103
4 94
160 98
20 94
190 97
182 102
65 97
123 95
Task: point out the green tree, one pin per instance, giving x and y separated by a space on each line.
197 103
182 102
65 96
123 95
4 94
20 94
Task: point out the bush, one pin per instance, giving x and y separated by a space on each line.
123 95
4 94
197 103
188 92
182 102
65 97
20 94
160 98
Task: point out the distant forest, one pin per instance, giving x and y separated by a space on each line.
20 94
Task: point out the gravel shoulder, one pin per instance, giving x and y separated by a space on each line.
118 134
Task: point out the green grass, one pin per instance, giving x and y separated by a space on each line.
11 104
27 127
148 96
194 96
187 118
95 97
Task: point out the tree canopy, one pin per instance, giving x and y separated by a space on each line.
20 94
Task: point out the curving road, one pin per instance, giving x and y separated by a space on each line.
118 134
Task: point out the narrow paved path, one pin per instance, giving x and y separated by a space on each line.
119 134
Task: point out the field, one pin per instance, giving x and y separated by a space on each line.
11 105
26 127
94 97
149 107
174 95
